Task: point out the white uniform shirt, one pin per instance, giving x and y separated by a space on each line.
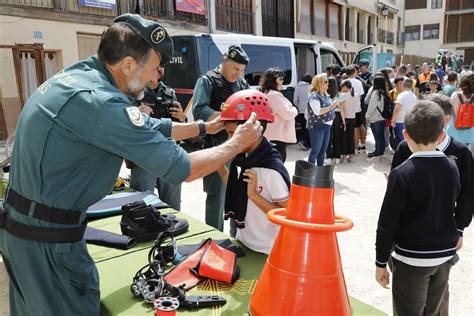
358 89
259 233
406 100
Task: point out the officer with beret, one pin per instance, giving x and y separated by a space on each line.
365 74
211 90
70 141
159 102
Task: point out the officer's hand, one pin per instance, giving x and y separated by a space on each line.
249 132
214 126
145 109
177 112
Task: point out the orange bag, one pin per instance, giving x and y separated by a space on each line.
218 263
465 116
209 261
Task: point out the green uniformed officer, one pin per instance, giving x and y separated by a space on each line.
69 144
159 102
211 90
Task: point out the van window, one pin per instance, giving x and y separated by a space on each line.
327 58
182 71
263 57
214 57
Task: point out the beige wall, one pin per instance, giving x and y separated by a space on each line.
429 47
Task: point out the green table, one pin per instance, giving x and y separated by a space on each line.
117 268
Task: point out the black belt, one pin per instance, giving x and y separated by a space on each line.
46 213
42 234
41 211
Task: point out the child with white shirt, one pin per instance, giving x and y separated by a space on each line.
404 102
257 180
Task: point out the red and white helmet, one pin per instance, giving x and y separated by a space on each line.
240 105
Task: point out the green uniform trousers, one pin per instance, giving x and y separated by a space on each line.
215 189
141 180
50 279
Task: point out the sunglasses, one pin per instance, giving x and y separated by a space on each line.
281 78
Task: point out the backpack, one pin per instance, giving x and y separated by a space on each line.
465 116
388 106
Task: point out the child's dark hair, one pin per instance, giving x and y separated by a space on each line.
380 85
452 76
336 70
262 122
332 87
424 122
398 79
467 85
348 85
307 78
269 79
442 100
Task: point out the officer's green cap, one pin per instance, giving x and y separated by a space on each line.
152 33
237 54
365 62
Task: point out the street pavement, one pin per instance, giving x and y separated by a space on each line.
360 187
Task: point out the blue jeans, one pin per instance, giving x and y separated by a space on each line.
319 136
378 130
399 131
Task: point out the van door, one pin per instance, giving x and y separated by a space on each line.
367 52
182 72
326 57
305 60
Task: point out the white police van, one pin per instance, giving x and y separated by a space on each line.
196 54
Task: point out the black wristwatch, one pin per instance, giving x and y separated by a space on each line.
202 128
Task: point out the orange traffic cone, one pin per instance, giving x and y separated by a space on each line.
303 274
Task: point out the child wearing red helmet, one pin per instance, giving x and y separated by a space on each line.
257 180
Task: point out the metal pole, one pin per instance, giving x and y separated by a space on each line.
209 16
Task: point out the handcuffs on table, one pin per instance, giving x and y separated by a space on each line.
149 283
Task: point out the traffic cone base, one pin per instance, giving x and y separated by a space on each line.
303 274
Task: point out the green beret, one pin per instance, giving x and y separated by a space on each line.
237 54
364 62
152 33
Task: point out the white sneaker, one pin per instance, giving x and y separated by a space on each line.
337 161
328 161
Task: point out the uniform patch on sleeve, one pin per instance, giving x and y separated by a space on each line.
135 116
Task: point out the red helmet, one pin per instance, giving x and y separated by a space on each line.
240 105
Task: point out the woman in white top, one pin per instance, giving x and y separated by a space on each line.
352 100
282 130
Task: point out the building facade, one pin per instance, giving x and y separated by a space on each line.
39 37
424 32
458 29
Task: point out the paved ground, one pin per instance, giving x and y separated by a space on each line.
359 192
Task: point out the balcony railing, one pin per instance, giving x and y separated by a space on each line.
233 19
47 4
390 38
382 37
150 8
63 6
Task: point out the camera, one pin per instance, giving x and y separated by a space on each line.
161 104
